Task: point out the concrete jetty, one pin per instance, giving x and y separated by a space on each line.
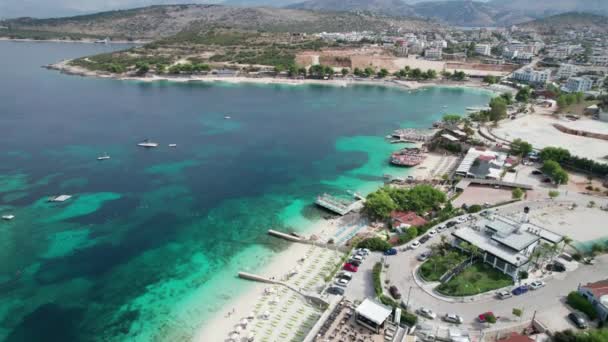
313 299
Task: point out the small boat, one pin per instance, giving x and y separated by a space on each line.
148 144
60 198
104 157
8 217
227 117
172 145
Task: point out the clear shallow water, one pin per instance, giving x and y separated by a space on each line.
149 246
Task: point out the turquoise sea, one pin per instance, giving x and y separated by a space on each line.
148 247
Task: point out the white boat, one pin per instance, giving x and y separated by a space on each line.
60 198
8 217
104 157
172 145
148 144
227 117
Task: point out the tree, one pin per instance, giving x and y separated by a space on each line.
344 71
556 154
142 68
555 171
416 74
379 204
375 244
368 72
508 97
518 313
292 70
459 76
520 148
523 95
517 193
358 72
490 79
553 194
382 73
475 208
498 109
431 74
451 119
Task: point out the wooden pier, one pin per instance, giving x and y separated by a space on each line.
334 204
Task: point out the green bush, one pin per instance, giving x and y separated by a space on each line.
374 244
377 282
409 318
578 302
475 208
410 234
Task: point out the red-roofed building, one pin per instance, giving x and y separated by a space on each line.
400 219
516 337
597 294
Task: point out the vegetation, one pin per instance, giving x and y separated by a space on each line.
517 312
491 79
416 74
439 263
451 119
407 317
478 278
563 157
578 302
376 271
475 208
523 95
594 335
517 193
556 154
374 244
565 100
553 194
421 198
520 148
554 170
498 109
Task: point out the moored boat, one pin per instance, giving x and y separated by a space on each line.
148 144
105 156
408 157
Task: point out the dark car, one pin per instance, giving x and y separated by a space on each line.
451 224
335 290
578 320
391 251
537 172
520 290
556 267
425 239
394 291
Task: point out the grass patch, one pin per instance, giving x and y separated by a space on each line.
478 278
437 265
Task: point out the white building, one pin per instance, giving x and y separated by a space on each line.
597 294
601 60
483 49
578 84
530 75
567 70
506 244
433 53
372 314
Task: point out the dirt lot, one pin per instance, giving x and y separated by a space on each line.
476 194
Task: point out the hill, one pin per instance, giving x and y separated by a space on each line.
164 21
384 7
545 8
459 13
570 21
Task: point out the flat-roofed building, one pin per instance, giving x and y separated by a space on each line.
372 314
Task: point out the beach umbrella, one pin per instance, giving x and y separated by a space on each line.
238 329
244 322
251 315
234 336
266 314
251 336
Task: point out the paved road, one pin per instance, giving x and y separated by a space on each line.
547 302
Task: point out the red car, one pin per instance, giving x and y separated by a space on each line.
484 316
350 267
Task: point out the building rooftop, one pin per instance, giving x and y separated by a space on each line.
599 288
409 218
484 242
374 311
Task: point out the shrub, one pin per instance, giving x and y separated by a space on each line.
475 208
517 193
578 302
377 282
408 236
409 318
374 244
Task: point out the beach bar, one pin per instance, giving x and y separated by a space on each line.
372 315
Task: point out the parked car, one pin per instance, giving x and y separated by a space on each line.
350 267
452 318
346 275
451 224
357 257
484 213
589 261
484 316
424 255
424 239
354 262
537 284
335 290
432 233
428 313
415 244
391 251
556 267
342 282
440 228
504 294
394 291
537 172
362 251
520 290
578 320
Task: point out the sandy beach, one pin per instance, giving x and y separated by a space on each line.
289 315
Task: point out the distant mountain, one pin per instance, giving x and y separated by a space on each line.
570 21
544 8
459 13
384 7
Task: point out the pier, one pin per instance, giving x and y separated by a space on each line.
313 299
410 135
335 204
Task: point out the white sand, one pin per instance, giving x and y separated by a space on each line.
434 166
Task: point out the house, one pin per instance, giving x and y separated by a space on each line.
597 294
530 75
483 49
578 84
433 53
372 315
567 70
505 244
400 219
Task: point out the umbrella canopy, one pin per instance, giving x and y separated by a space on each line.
244 322
234 336
251 315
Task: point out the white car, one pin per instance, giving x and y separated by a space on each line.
428 313
342 282
415 244
432 233
452 318
537 284
357 257
362 251
504 294
461 219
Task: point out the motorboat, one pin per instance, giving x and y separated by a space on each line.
147 144
60 198
227 117
105 156
8 217
172 145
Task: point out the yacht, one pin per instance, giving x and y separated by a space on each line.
104 157
172 145
227 117
148 144
8 217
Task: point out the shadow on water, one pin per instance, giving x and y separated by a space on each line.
49 322
96 260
